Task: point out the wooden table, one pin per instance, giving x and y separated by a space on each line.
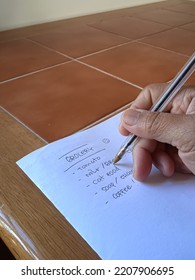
30 226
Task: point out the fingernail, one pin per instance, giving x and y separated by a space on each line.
131 117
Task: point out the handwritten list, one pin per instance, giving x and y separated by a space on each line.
88 165
119 217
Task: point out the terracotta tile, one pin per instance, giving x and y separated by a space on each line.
191 80
59 101
99 16
177 40
20 57
131 11
167 17
138 63
130 27
149 7
187 7
22 32
78 40
190 26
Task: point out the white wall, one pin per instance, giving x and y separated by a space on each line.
18 13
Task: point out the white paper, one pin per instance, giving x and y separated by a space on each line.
119 217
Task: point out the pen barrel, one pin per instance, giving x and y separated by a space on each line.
129 143
172 89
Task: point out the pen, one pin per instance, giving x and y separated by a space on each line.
170 92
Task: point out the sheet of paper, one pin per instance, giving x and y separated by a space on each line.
119 217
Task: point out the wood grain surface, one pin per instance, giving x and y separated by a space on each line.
30 226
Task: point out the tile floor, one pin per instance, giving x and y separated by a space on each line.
59 77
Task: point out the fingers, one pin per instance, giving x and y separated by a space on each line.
179 164
177 130
122 129
148 96
164 162
142 159
144 100
148 152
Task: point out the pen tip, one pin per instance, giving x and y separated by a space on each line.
116 159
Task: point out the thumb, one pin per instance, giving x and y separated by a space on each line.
175 129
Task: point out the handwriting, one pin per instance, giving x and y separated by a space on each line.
72 151
76 155
83 159
93 172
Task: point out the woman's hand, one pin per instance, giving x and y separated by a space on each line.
168 138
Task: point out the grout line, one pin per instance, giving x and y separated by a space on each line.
90 54
12 39
28 128
43 69
90 66
154 34
179 12
106 117
34 72
108 32
59 64
48 48
150 20
78 61
180 26
86 127
157 47
168 25
135 16
72 60
104 50
183 26
109 74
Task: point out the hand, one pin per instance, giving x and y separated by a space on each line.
168 138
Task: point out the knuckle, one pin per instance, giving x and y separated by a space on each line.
187 140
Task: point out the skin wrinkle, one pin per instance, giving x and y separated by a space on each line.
184 103
189 146
174 131
154 125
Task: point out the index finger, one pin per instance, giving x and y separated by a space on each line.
148 96
144 100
